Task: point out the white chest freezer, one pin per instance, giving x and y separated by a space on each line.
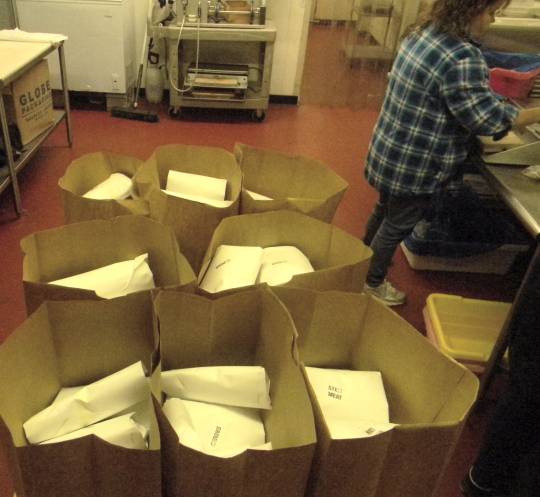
100 50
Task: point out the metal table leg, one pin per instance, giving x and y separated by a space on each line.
525 302
10 160
65 93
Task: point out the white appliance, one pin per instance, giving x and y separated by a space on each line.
100 51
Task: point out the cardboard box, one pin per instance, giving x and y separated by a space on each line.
80 247
340 260
90 170
192 222
70 344
247 328
295 183
29 104
429 396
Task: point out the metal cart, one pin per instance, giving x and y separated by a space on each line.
232 69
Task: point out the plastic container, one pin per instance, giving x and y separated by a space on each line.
512 84
464 329
498 261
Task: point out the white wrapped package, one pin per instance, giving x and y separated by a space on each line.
117 186
114 280
220 431
202 200
280 264
196 184
257 196
353 403
240 386
232 267
88 405
123 431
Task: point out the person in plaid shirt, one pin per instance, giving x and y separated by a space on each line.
437 102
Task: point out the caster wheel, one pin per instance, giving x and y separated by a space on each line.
175 112
258 116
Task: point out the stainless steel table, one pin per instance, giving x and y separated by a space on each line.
522 196
16 58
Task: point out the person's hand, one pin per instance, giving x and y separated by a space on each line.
527 116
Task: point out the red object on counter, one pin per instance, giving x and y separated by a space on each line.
512 84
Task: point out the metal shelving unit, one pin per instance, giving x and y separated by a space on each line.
376 26
15 165
373 30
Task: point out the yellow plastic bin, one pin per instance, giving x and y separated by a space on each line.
465 329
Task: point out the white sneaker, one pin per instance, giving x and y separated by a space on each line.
386 293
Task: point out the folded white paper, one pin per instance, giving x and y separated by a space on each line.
220 431
353 403
88 405
18 35
142 412
114 280
196 184
117 186
202 200
257 196
123 431
232 267
280 264
240 386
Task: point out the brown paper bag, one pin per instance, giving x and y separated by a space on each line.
79 247
248 328
295 183
340 260
88 171
67 344
429 396
192 222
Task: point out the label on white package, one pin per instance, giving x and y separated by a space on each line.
353 403
221 431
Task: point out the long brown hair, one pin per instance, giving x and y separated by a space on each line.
454 16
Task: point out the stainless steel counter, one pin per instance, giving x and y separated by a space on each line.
522 195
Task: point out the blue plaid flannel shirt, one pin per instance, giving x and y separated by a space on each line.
438 99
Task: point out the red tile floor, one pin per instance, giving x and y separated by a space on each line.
333 123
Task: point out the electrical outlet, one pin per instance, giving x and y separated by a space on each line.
115 82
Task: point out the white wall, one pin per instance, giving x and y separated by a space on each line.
291 18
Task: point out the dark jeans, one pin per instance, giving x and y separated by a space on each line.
513 436
392 220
